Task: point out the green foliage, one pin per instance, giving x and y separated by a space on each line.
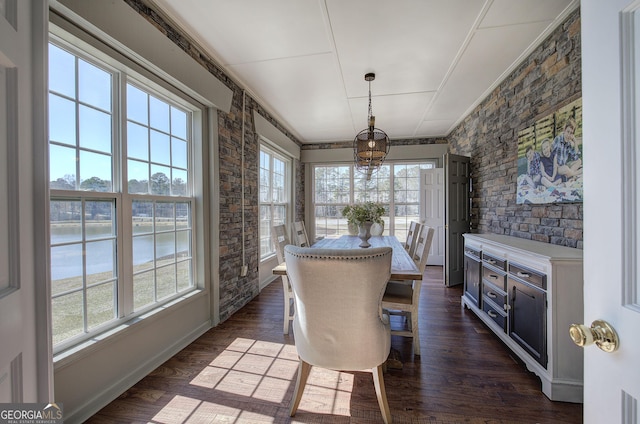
368 211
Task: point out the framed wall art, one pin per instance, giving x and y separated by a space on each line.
550 158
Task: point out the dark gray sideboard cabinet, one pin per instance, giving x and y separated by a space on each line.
529 293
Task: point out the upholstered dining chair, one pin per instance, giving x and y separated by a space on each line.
339 323
300 234
280 240
403 297
412 237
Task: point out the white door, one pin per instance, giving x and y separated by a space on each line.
432 210
611 213
25 359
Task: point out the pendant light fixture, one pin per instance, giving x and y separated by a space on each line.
371 145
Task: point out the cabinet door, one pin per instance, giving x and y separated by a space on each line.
472 279
527 319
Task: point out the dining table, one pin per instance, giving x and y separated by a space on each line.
402 266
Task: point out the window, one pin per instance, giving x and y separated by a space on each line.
336 186
274 196
121 207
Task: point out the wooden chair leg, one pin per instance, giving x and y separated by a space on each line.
416 334
381 394
304 369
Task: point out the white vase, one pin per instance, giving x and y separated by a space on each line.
364 233
377 229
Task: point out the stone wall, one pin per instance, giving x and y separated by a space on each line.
235 291
547 80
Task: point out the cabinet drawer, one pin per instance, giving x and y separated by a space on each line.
495 313
470 251
499 263
494 294
527 275
497 278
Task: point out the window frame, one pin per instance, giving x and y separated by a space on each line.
267 148
126 71
355 176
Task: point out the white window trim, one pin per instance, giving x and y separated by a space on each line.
78 346
275 151
353 173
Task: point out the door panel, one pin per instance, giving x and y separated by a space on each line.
25 360
610 41
432 210
457 220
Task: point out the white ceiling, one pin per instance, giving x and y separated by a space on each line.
305 60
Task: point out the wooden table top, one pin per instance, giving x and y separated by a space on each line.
402 266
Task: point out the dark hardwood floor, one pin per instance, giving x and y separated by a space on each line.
243 371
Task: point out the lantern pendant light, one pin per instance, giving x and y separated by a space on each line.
371 145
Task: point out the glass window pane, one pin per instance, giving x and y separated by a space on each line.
160 148
166 281
142 217
160 182
95 172
165 217
158 114
66 267
62 120
166 247
178 153
100 304
95 129
137 105
138 176
66 316
143 289
65 221
94 86
183 273
62 167
99 219
183 217
179 183
183 242
178 123
62 71
137 141
100 260
142 252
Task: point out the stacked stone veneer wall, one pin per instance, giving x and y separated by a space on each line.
235 291
548 79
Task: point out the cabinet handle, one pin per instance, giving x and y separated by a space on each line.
492 314
491 261
492 295
494 276
523 274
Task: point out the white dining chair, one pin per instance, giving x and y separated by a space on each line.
403 297
280 240
300 234
412 237
339 324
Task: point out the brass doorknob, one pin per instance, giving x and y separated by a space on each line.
601 333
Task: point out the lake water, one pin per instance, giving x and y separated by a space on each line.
66 260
